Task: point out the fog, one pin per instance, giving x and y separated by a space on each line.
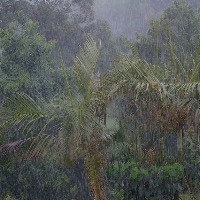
130 16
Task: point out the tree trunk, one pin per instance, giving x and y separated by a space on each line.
162 146
180 145
96 175
176 195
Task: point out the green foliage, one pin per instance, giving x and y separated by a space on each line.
47 177
8 197
72 134
69 23
25 61
145 183
173 38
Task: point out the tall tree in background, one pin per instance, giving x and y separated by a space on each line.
68 22
25 62
173 38
59 20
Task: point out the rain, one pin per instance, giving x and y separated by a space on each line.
99 100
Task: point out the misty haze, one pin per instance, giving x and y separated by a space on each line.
99 99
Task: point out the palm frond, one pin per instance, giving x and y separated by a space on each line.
19 106
136 76
12 147
85 63
132 76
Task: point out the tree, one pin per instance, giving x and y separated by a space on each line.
68 22
173 38
145 98
77 117
60 20
25 62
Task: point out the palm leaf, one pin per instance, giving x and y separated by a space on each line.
18 107
84 65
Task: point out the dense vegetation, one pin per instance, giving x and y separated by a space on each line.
87 115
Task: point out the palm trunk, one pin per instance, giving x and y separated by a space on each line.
96 176
162 146
180 144
138 142
176 196
197 125
95 164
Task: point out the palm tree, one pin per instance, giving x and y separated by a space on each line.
72 124
156 105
